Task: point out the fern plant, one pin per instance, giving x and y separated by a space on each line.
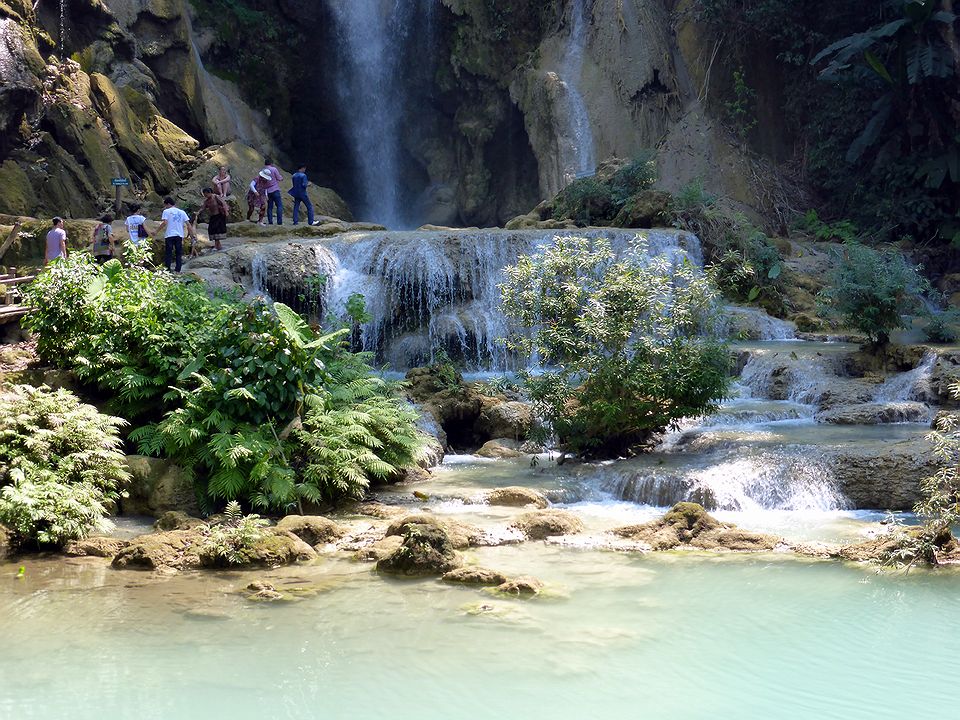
232 540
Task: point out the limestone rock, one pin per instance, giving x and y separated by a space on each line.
276 547
19 87
379 510
426 550
381 549
6 543
689 524
877 413
511 419
473 575
176 549
884 477
177 145
500 448
648 209
177 520
312 529
541 524
883 548
516 496
157 486
460 535
523 586
105 547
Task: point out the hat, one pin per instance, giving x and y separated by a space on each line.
266 174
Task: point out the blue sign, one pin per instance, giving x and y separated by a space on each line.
120 182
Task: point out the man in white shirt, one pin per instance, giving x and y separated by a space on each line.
134 223
175 227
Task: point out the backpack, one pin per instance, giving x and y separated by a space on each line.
141 231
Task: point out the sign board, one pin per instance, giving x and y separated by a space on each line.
120 182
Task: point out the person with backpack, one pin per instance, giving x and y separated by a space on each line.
175 226
56 242
135 226
216 208
104 243
299 194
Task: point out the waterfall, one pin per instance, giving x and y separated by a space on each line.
578 156
750 323
371 35
64 13
911 385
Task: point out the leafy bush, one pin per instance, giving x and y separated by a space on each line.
840 231
60 466
870 290
746 264
629 339
939 327
232 539
221 386
590 201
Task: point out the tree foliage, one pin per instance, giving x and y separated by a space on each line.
625 340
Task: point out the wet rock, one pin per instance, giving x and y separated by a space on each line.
516 496
523 586
474 576
105 547
461 535
884 476
500 448
157 486
379 549
312 529
426 550
177 520
689 524
262 591
542 524
276 547
648 209
381 511
498 419
894 547
176 549
877 413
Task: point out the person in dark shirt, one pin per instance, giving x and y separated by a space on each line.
299 194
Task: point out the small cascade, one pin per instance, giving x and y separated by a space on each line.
259 273
578 156
742 478
372 35
787 376
911 385
750 323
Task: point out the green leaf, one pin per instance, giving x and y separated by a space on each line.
754 293
95 288
297 329
874 62
774 272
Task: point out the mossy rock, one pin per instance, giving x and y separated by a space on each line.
17 195
426 551
689 524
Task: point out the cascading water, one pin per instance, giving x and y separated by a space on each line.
912 385
371 35
578 155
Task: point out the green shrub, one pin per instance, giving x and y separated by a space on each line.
628 342
219 385
870 290
60 466
232 540
590 201
940 326
840 231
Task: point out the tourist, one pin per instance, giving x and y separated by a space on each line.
299 194
104 243
56 242
222 182
216 208
135 226
256 198
274 196
175 226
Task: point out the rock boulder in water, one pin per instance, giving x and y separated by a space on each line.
523 586
177 520
175 549
312 529
105 547
460 535
516 496
499 419
475 576
542 524
884 476
426 550
689 524
500 448
877 413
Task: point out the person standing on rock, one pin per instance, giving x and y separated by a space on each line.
222 182
104 243
299 194
274 196
256 198
175 226
56 242
135 226
216 208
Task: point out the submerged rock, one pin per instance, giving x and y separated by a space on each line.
516 496
475 576
426 550
689 524
542 524
523 586
312 529
105 547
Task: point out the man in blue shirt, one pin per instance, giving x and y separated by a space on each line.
299 194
